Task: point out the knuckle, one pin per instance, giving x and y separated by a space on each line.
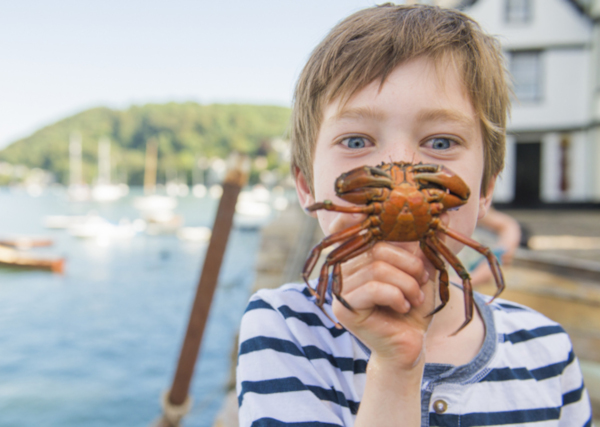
379 265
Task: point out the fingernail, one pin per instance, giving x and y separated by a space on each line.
421 297
406 306
425 277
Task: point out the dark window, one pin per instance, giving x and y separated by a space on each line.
518 11
525 68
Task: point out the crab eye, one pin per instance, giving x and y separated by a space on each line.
355 142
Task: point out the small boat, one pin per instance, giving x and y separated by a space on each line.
109 192
98 227
251 212
23 242
199 190
164 222
154 203
65 221
194 234
14 258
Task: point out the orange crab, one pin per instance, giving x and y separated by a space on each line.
403 203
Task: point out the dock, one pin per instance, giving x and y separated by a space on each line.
562 283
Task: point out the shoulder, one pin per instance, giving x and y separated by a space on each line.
534 357
289 309
516 323
527 338
294 364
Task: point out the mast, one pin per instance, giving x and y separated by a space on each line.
150 169
104 161
75 179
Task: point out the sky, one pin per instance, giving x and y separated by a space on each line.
60 57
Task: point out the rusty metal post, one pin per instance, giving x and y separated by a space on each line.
176 402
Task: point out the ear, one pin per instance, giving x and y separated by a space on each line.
305 196
486 201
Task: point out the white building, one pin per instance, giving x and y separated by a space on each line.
553 146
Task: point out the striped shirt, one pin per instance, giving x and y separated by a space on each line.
295 369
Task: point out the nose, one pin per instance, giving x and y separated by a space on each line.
401 155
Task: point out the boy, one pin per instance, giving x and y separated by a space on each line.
413 84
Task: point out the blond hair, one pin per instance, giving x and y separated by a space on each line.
371 43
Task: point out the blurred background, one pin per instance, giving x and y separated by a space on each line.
116 120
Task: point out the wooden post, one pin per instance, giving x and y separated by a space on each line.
176 402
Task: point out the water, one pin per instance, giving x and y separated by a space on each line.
98 345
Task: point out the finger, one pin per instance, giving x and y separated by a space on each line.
411 262
374 293
381 271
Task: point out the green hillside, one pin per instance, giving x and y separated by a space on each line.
184 131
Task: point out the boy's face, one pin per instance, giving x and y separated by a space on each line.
420 114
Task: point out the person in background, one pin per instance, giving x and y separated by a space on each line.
507 232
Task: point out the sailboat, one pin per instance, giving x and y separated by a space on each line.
104 191
198 188
78 191
157 210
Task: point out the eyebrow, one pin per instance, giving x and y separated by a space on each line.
358 113
444 115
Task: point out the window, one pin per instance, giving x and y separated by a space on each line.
518 11
525 68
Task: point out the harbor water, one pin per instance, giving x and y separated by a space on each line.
97 345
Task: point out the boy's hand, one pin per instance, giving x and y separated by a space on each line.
391 288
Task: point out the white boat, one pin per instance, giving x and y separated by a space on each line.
104 191
165 222
78 191
64 221
199 190
154 203
251 213
97 227
194 234
177 189
109 192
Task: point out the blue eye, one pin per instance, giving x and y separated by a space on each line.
441 143
355 142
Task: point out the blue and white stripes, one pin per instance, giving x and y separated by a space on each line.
295 369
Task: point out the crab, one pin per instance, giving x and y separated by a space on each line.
403 203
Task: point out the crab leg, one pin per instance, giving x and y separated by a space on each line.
485 251
315 253
464 275
329 206
429 250
349 249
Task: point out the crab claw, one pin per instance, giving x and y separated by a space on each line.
362 185
456 191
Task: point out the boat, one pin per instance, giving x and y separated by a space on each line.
156 210
66 221
14 258
23 242
198 187
98 227
252 210
104 190
78 191
154 203
194 234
